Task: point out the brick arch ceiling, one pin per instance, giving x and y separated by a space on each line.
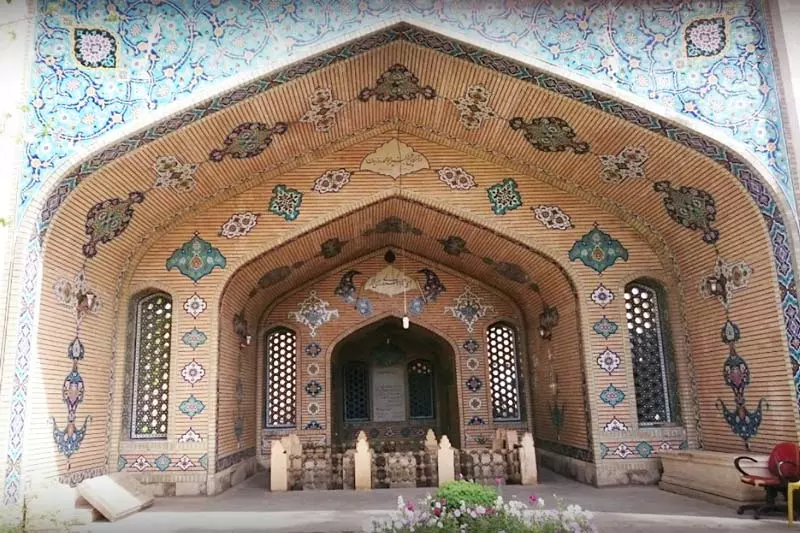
636 165
408 227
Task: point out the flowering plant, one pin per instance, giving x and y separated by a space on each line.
435 515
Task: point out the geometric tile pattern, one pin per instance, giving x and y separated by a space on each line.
504 196
612 396
605 327
247 140
692 208
322 109
192 406
628 164
150 406
552 217
94 48
602 296
239 225
549 134
608 361
598 250
194 338
196 258
109 219
192 372
286 202
474 107
705 37
468 308
174 175
281 373
313 312
730 277
501 348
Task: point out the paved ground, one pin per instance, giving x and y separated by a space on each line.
249 508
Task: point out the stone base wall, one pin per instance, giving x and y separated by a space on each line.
604 474
628 472
171 484
711 476
567 466
231 477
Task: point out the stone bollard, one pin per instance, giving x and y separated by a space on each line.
291 444
278 468
499 441
512 439
430 442
447 470
363 463
527 461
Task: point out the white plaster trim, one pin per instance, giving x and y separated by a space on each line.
10 269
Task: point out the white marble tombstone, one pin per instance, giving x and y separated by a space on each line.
389 393
278 468
363 462
446 464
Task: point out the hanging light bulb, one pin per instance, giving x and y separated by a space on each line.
406 322
713 284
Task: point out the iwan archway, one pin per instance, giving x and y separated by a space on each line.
543 194
394 383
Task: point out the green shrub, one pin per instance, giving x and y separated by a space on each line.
469 492
441 516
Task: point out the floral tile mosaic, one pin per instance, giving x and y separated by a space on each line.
90 75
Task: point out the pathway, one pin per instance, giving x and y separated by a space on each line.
249 508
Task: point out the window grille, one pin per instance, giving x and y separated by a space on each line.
151 367
649 354
501 346
420 389
356 392
281 375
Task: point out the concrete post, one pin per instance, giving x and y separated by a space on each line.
278 468
447 471
363 462
527 461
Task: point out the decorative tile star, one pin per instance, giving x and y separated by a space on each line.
608 360
192 372
468 308
314 312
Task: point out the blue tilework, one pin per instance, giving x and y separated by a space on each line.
164 51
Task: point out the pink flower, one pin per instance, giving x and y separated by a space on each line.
410 506
498 481
532 498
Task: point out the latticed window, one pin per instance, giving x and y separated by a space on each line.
281 376
152 341
501 344
649 352
420 389
356 391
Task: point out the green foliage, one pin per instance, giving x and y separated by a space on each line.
439 515
487 524
469 492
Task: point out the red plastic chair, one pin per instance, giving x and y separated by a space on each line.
783 466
